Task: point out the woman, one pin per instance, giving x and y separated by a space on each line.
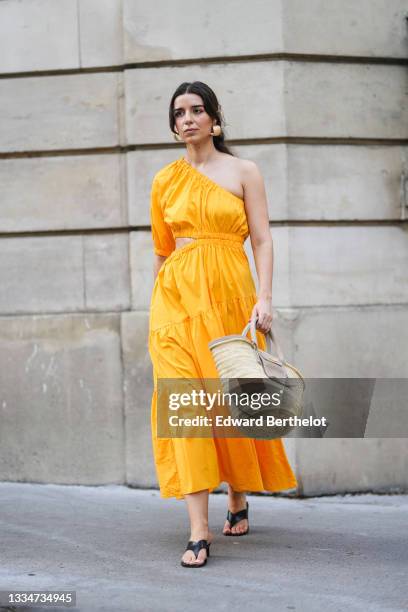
203 207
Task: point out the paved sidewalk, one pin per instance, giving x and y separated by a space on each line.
120 550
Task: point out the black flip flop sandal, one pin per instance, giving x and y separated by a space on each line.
235 517
196 547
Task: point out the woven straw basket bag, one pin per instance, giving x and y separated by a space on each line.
238 358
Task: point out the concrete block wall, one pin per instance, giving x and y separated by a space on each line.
314 93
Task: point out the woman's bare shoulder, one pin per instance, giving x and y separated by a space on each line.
247 165
239 164
249 172
245 171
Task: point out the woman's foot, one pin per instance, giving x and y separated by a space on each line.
236 502
189 556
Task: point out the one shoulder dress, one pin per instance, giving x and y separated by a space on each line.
203 290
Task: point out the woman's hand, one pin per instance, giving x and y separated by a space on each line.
263 310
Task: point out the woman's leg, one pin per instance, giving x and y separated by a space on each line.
197 505
236 502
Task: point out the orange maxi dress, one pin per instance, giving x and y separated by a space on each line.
203 290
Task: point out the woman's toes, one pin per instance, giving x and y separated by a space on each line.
202 555
188 557
239 527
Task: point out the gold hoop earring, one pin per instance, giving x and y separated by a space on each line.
216 130
177 137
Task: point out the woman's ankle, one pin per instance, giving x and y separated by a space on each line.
236 500
199 532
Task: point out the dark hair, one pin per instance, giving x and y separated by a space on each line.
210 104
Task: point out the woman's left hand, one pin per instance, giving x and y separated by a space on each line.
263 310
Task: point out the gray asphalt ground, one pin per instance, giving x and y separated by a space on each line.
120 548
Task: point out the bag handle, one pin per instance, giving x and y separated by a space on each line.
251 325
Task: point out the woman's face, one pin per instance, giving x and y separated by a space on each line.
190 114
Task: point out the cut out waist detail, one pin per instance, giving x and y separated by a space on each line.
186 237
233 243
182 240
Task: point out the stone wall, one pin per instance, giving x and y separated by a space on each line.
314 92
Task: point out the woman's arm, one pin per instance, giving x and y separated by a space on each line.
256 207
